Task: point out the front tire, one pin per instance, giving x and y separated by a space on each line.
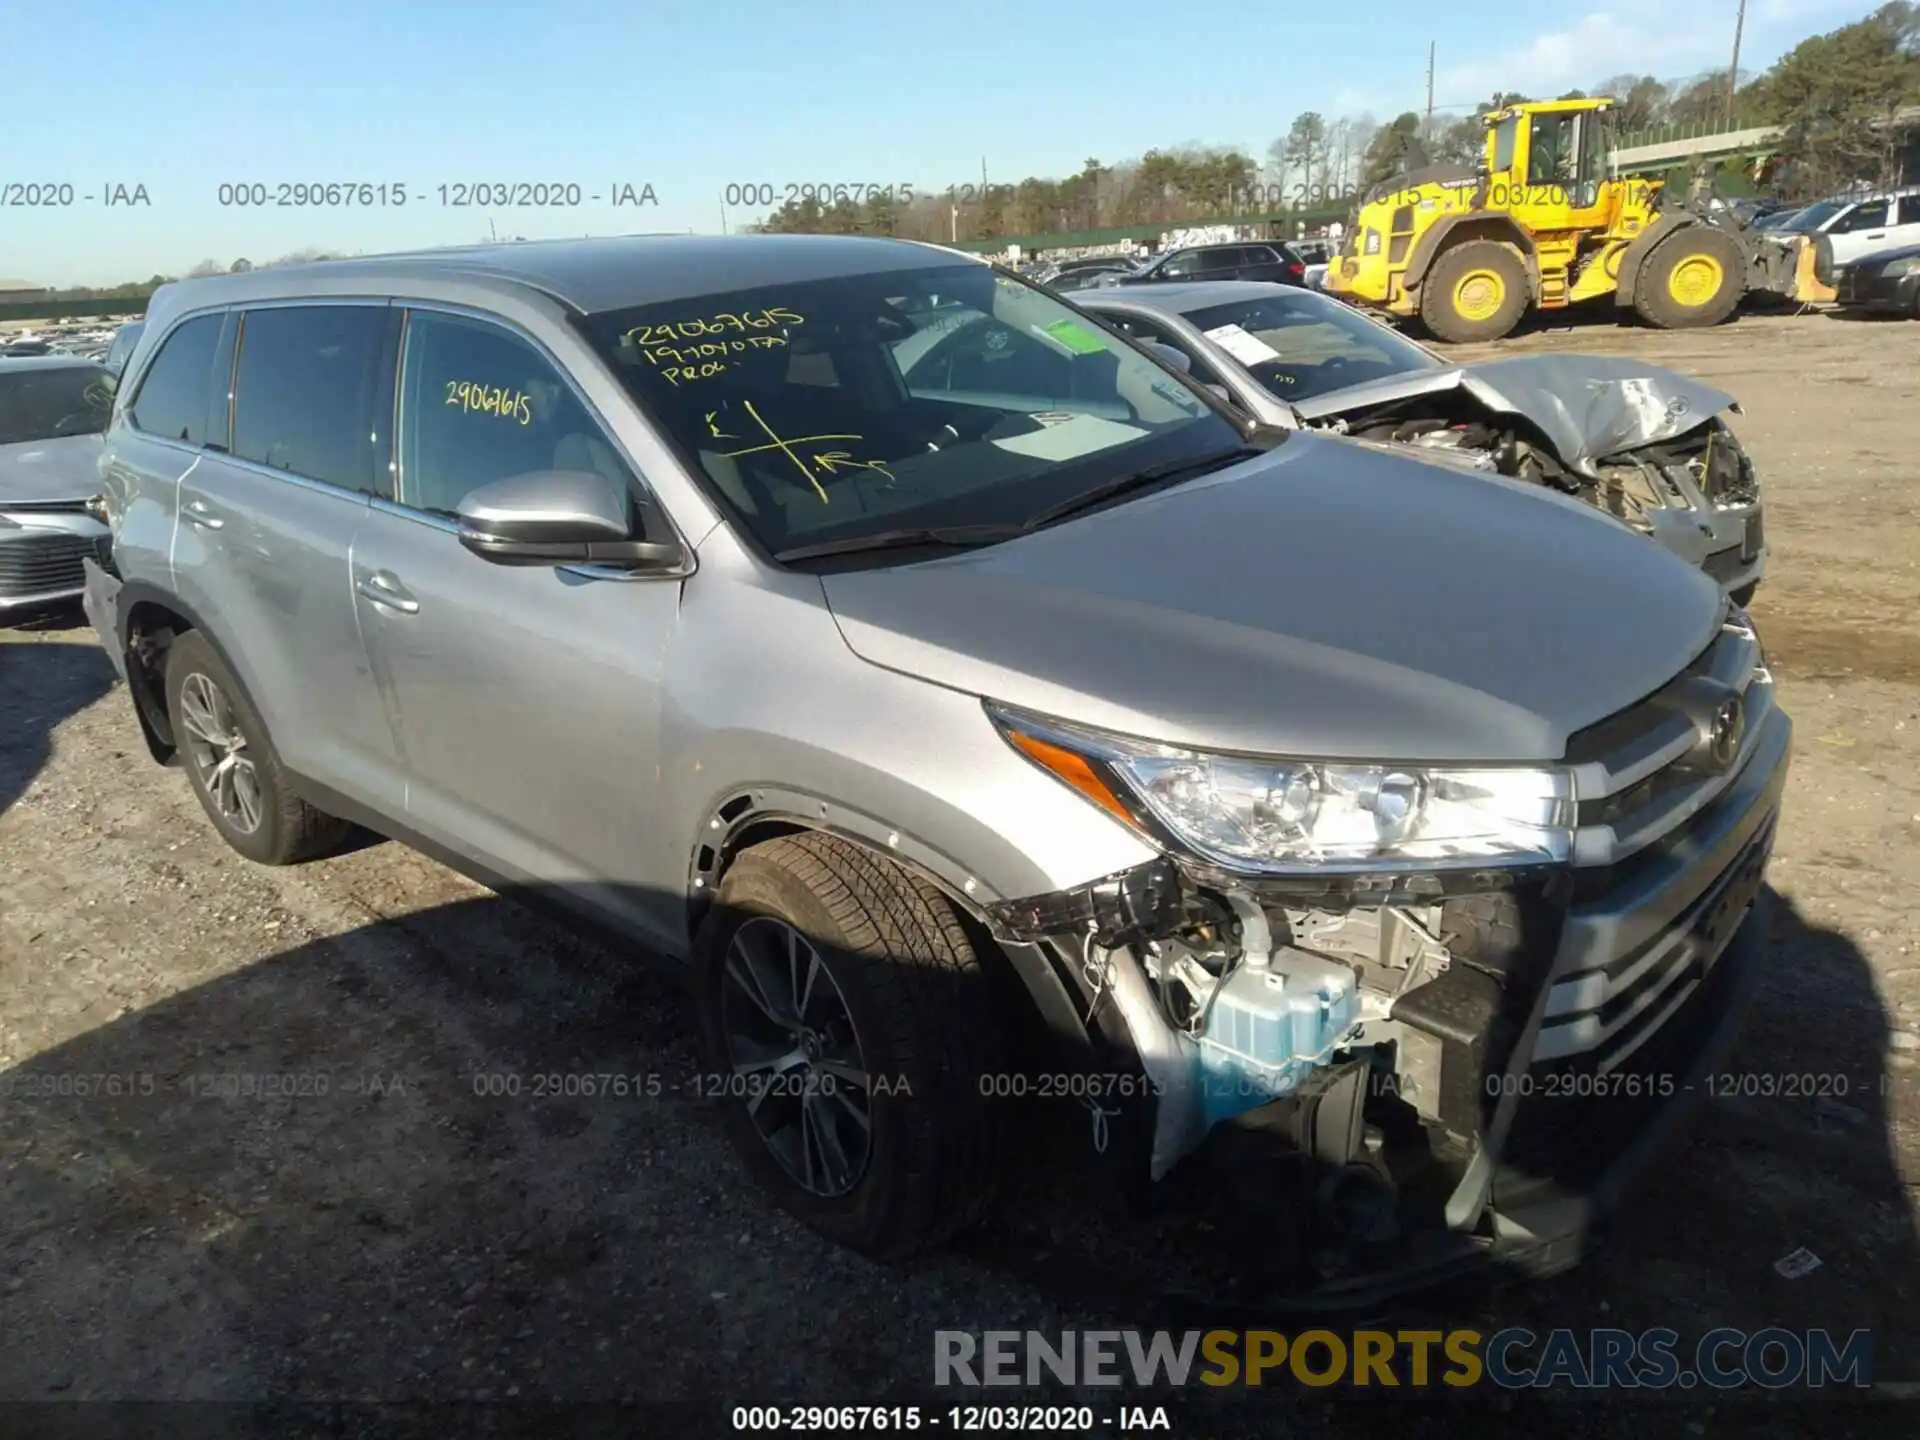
849 1024
1475 291
1693 278
232 765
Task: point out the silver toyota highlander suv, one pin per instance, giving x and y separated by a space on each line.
1017 689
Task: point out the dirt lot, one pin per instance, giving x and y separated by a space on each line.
402 1238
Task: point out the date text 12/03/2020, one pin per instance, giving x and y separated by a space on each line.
450 195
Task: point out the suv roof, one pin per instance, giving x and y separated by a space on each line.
607 273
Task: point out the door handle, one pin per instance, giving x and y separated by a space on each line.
383 589
200 513
1876 235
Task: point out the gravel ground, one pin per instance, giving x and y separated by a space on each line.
390 1235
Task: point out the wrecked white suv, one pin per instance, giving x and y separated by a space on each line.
927 665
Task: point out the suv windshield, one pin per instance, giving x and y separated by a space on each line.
46 403
1299 345
948 396
1813 217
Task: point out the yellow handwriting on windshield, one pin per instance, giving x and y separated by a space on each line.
704 360
723 326
809 461
700 348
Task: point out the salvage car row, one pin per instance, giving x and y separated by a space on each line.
959 680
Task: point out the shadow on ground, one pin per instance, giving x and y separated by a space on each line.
339 1175
41 685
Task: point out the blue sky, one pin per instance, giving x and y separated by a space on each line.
183 95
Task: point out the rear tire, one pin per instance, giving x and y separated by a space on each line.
1477 290
907 1158
232 765
1694 277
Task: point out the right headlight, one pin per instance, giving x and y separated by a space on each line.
1900 269
1291 816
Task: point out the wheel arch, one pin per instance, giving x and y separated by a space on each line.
749 816
1452 230
149 620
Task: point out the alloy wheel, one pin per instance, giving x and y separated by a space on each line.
795 1057
218 749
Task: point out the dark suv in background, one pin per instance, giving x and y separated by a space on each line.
1267 260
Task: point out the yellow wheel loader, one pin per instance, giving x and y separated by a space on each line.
1540 223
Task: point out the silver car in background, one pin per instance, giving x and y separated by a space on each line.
967 696
1648 446
52 411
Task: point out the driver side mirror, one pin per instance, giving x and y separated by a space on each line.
558 517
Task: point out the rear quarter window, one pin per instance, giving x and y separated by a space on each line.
173 399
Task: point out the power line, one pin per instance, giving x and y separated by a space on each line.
1426 132
1733 70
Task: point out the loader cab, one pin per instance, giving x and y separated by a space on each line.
1547 163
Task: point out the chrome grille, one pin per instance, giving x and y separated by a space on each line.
1649 790
46 562
1635 774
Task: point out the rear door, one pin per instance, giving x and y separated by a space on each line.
1267 262
1906 229
1222 262
1860 230
268 518
526 701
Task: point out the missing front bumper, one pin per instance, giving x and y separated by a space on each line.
1521 1177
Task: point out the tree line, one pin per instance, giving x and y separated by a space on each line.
1834 93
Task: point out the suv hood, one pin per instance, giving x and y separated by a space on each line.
1587 406
1320 600
42 471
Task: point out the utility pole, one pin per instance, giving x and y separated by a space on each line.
1427 132
1733 70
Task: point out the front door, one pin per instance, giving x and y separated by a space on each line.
526 702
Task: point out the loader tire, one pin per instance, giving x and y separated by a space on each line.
1477 290
1694 277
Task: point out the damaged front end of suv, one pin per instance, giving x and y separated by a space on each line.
1474 995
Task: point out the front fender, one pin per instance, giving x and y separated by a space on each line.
1480 224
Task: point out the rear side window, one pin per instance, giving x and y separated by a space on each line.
173 399
304 391
1869 216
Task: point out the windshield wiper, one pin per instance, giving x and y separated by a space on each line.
958 537
1144 479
